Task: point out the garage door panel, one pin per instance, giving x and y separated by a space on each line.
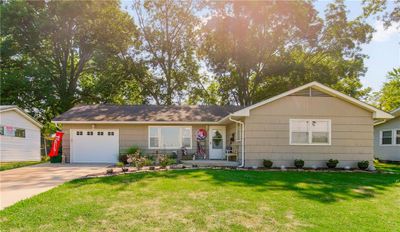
95 146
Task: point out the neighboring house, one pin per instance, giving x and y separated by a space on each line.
19 135
387 138
312 122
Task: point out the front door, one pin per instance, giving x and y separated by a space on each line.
217 142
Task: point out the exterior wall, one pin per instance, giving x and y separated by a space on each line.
129 135
386 152
267 132
15 148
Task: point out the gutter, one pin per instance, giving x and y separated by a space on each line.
242 139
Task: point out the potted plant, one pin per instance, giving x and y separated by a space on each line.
299 163
267 163
332 163
363 165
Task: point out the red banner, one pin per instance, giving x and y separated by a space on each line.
56 144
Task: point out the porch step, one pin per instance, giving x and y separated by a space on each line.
211 163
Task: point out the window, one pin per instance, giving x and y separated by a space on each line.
238 132
170 137
79 133
110 133
397 133
89 133
20 133
100 133
310 131
1 130
386 137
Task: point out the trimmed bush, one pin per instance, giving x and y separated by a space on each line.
133 149
123 158
267 163
332 163
363 165
299 163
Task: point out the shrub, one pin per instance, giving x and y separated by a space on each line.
136 160
123 158
147 162
363 164
299 163
120 164
165 161
133 149
332 163
267 163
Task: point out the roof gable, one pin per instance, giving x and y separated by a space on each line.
320 88
6 108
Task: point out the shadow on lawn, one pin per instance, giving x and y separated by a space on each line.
323 187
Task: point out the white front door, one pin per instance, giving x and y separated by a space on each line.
217 142
94 146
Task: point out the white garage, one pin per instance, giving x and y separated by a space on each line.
94 145
19 135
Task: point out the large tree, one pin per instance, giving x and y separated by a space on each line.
259 49
52 45
168 35
381 11
388 98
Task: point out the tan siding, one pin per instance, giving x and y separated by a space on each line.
129 135
267 132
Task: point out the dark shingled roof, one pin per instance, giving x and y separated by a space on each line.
150 113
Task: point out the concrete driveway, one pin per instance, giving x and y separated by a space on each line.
25 182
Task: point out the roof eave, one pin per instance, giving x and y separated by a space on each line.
25 115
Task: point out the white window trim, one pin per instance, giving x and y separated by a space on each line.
310 133
160 141
393 137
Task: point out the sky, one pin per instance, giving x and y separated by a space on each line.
383 50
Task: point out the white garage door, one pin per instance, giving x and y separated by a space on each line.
94 146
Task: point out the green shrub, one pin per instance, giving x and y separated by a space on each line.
132 150
164 161
120 164
299 163
148 162
363 164
267 163
332 163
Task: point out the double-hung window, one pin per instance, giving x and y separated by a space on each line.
390 137
310 131
170 137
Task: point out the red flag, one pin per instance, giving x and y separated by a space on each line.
56 144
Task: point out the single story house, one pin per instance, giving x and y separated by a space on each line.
19 135
312 122
387 138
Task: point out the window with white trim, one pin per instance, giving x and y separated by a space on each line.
170 137
310 131
397 136
386 137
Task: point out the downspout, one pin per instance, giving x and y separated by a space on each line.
242 139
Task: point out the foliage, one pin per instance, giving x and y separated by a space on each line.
120 164
388 98
49 48
267 163
380 9
123 158
133 149
257 50
168 32
332 163
165 160
298 163
136 160
363 164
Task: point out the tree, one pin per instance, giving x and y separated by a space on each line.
388 98
168 33
55 44
260 49
379 8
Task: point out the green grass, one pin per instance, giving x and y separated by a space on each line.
388 167
11 165
214 200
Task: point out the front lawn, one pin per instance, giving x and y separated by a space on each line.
214 200
11 165
388 167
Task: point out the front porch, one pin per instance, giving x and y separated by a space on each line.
211 163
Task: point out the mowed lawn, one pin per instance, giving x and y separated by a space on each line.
214 200
11 165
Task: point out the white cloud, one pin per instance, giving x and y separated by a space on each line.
383 34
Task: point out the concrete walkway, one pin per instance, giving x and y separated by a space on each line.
25 182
